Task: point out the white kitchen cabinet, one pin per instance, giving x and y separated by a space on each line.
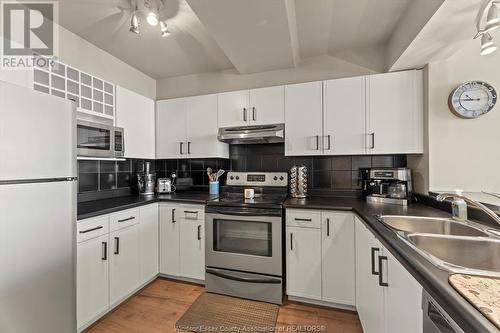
124 263
187 128
20 77
303 262
169 239
403 299
149 242
394 103
369 295
338 258
388 298
303 119
192 249
260 106
171 128
136 114
92 279
344 116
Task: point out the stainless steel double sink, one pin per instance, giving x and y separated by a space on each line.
460 247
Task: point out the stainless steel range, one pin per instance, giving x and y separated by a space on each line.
243 248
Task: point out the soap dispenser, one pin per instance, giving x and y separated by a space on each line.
459 207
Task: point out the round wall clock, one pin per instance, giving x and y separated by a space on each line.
472 99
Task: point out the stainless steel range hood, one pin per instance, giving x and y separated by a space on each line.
252 134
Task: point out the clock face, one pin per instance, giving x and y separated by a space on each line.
472 99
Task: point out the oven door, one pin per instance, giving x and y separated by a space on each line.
244 239
94 139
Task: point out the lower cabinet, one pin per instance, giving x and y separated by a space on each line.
320 256
116 255
182 244
388 298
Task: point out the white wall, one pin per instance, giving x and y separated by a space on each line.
310 69
462 154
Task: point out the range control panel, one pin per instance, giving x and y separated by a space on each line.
279 179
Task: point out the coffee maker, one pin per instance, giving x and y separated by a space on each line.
146 180
387 185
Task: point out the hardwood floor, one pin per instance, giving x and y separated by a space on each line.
158 306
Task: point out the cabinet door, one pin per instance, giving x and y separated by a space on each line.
344 116
403 299
338 257
136 114
303 262
267 106
369 295
124 263
192 249
92 278
303 119
202 128
149 241
394 112
171 127
233 108
169 240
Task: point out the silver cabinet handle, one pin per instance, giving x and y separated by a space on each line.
104 251
373 250
372 135
127 219
328 227
329 139
89 230
381 272
244 114
189 147
180 147
303 220
317 142
117 245
199 232
173 215
291 241
254 113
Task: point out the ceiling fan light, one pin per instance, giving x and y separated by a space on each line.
487 45
134 24
152 18
493 18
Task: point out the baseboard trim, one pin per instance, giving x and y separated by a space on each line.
322 303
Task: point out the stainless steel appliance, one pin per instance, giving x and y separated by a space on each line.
298 181
243 248
387 185
435 319
146 180
99 140
252 134
38 212
165 185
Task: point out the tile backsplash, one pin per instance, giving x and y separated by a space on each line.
98 179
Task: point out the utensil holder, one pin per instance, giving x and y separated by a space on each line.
213 187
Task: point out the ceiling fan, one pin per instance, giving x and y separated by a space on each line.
150 10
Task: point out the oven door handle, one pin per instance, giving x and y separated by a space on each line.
241 213
224 275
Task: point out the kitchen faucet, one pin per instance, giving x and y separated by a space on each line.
489 212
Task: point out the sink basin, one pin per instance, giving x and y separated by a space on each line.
465 252
430 225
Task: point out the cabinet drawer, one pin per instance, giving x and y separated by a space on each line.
303 218
91 228
123 219
190 213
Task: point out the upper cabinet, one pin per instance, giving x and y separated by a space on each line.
136 114
187 128
252 107
394 103
378 114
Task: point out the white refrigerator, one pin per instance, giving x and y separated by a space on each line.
37 212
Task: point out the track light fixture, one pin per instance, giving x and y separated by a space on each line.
489 10
150 10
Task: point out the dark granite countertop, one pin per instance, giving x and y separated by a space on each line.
106 206
432 279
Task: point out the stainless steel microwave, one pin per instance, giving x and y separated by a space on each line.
99 140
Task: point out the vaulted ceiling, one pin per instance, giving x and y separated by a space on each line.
250 36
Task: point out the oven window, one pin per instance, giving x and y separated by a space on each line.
93 138
243 237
